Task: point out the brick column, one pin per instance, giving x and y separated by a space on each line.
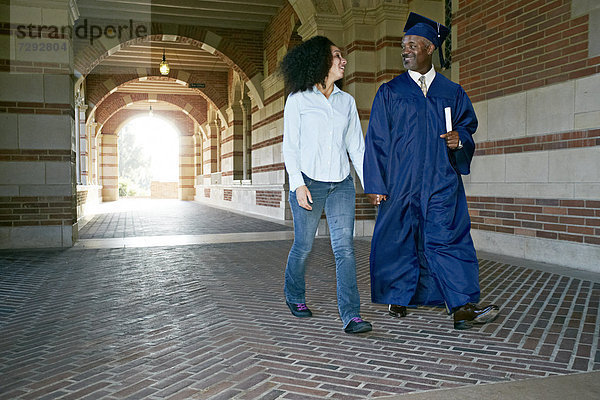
198 156
246 106
232 151
109 166
83 146
186 168
210 146
37 161
370 40
94 145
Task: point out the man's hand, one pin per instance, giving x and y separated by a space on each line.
376 199
451 139
303 196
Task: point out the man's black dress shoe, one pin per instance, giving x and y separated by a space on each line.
397 311
471 314
300 310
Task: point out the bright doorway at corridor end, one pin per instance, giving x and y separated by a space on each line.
148 158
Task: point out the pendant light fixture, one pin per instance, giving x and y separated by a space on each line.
164 65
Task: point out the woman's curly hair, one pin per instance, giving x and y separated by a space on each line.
307 64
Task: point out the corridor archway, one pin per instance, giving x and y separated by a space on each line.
149 164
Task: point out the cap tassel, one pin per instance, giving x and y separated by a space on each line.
443 64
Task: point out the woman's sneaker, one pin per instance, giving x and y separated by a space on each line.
357 325
300 310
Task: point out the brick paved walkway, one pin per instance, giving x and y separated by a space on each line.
145 217
208 321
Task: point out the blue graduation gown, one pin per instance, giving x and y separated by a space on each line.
421 252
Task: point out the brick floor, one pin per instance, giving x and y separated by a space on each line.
145 217
209 322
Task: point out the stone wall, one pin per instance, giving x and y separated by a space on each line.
163 190
534 189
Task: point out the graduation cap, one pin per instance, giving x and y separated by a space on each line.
435 32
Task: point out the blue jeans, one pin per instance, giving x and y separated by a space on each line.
337 198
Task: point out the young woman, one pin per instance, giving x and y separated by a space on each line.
321 127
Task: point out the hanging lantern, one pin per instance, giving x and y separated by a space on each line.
164 65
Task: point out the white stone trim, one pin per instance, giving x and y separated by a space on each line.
570 254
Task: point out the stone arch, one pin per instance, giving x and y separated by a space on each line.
100 89
119 101
228 50
115 123
109 163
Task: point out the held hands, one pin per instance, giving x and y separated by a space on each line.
304 198
452 139
376 199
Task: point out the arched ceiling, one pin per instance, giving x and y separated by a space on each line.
155 85
246 15
145 105
112 57
237 14
181 56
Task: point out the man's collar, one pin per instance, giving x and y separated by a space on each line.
428 76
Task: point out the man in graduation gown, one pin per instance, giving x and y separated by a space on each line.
422 252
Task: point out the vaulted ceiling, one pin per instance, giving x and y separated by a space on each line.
248 15
238 14
226 14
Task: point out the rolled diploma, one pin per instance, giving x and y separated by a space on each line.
448 119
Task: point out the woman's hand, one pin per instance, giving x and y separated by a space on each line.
304 198
376 199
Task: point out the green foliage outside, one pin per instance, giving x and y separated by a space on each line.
134 166
130 189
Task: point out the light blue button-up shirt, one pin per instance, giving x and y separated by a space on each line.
319 134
